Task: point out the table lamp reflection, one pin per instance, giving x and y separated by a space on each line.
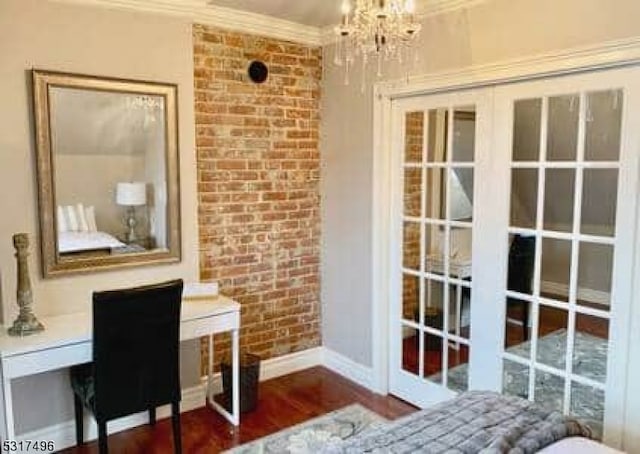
131 195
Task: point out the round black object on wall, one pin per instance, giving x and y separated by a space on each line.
258 71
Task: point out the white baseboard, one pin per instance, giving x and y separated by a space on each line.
584 294
279 366
63 435
348 368
293 362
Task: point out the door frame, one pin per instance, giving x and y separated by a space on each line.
611 54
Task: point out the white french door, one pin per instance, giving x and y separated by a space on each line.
442 143
512 244
571 151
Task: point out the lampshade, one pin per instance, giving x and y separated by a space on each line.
131 194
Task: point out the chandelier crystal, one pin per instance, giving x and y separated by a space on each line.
380 30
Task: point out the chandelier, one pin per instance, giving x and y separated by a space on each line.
380 30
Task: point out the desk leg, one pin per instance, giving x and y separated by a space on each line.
234 416
457 315
7 430
458 308
210 370
235 351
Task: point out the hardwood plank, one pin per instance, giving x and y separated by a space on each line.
283 402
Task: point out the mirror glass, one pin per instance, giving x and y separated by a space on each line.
107 157
460 173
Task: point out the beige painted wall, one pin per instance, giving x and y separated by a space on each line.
45 35
492 31
77 181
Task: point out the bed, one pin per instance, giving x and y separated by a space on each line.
477 422
79 242
78 233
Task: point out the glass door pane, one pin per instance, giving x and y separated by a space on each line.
564 188
437 232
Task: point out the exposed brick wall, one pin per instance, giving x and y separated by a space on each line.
258 185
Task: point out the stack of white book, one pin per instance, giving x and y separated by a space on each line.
200 290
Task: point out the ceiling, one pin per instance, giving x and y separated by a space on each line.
316 13
304 21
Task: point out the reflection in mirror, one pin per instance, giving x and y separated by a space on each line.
591 414
411 246
524 198
595 274
464 134
515 379
109 170
558 199
555 268
436 193
590 347
599 202
461 187
526 129
545 390
414 134
410 298
107 164
412 191
562 124
552 337
460 184
603 125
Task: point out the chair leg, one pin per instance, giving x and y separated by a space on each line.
175 422
152 416
77 403
102 437
525 320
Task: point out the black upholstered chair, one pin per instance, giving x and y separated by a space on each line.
135 358
520 275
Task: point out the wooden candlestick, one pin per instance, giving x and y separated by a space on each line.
26 323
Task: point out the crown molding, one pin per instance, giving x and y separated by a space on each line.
433 7
200 12
567 61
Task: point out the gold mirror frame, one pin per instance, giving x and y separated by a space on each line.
52 263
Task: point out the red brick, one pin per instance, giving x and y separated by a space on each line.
258 191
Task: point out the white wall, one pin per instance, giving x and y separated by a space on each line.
44 35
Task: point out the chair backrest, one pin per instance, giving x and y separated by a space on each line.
521 262
136 334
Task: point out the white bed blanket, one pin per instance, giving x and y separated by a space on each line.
86 241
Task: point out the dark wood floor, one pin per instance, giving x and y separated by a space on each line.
551 319
284 402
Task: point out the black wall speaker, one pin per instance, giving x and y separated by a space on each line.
258 71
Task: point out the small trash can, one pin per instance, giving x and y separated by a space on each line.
433 318
249 377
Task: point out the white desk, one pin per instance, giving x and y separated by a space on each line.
66 341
